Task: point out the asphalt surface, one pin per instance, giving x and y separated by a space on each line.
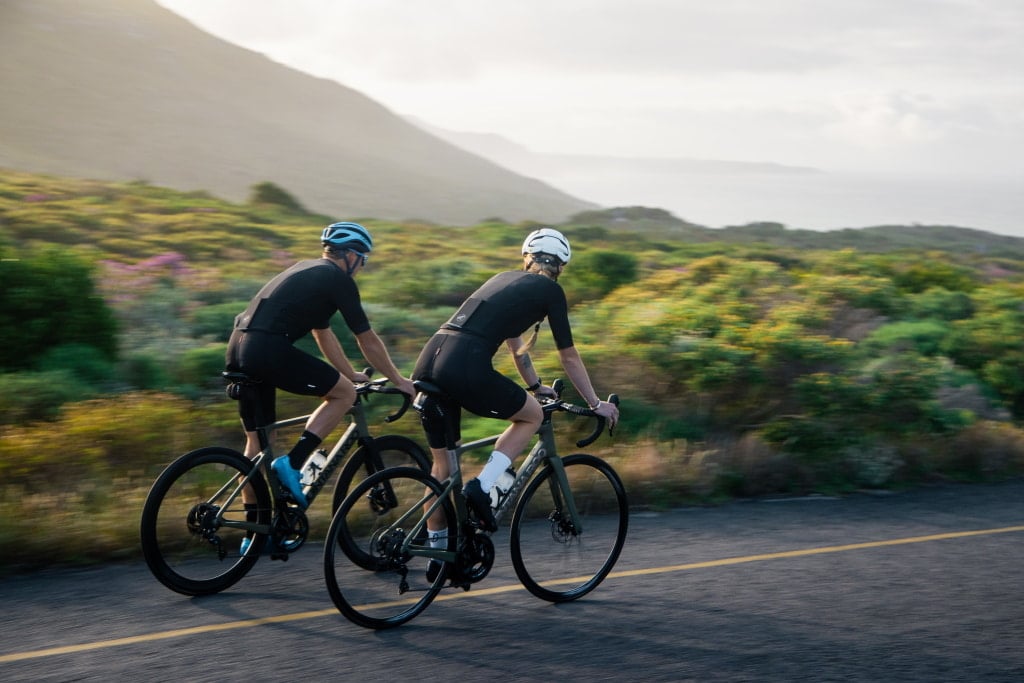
916 586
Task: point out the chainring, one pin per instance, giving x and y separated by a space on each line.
291 528
476 558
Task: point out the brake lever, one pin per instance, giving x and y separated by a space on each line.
614 400
557 387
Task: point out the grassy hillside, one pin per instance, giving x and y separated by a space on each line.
128 90
751 361
883 238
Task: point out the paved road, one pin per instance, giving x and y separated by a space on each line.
919 586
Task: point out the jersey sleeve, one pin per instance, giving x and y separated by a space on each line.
558 319
350 305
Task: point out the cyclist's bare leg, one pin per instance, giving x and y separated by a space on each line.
252 449
324 419
439 471
512 442
525 424
337 402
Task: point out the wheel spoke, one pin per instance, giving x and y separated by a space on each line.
372 575
392 450
555 560
188 538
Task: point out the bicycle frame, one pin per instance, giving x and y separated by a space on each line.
357 430
380 561
211 501
543 450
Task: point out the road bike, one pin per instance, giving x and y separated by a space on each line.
569 522
194 521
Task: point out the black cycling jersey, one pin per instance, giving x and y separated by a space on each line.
508 304
303 298
459 358
300 299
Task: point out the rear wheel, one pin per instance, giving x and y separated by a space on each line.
372 570
554 559
390 450
185 530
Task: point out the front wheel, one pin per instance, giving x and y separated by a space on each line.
390 450
187 538
553 558
374 574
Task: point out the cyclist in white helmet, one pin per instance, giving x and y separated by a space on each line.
298 301
458 358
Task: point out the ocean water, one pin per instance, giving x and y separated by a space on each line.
810 200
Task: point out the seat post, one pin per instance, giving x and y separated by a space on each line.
264 439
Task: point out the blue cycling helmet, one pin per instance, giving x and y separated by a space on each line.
347 236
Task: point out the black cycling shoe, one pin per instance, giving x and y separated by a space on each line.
480 503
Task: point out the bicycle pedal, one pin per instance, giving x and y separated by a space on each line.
474 526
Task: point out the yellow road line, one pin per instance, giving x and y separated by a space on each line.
817 551
164 635
299 616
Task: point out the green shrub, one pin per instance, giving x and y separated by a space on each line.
986 451
924 337
941 304
49 299
201 367
597 272
215 322
98 439
35 396
437 282
269 193
145 370
86 363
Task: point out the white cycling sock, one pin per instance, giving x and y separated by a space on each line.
497 464
437 539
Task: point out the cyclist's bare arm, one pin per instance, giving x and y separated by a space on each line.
523 363
329 345
377 355
577 372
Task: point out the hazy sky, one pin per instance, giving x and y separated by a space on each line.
923 86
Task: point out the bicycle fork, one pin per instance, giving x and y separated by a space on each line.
565 514
565 519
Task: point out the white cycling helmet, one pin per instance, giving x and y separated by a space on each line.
548 241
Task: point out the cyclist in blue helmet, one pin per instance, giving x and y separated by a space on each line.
350 237
301 301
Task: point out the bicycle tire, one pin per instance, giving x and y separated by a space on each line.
395 451
179 551
369 579
552 560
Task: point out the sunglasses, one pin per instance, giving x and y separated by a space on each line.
361 255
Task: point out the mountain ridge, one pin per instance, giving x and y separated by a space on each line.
127 90
521 159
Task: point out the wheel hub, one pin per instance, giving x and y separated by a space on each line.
562 529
